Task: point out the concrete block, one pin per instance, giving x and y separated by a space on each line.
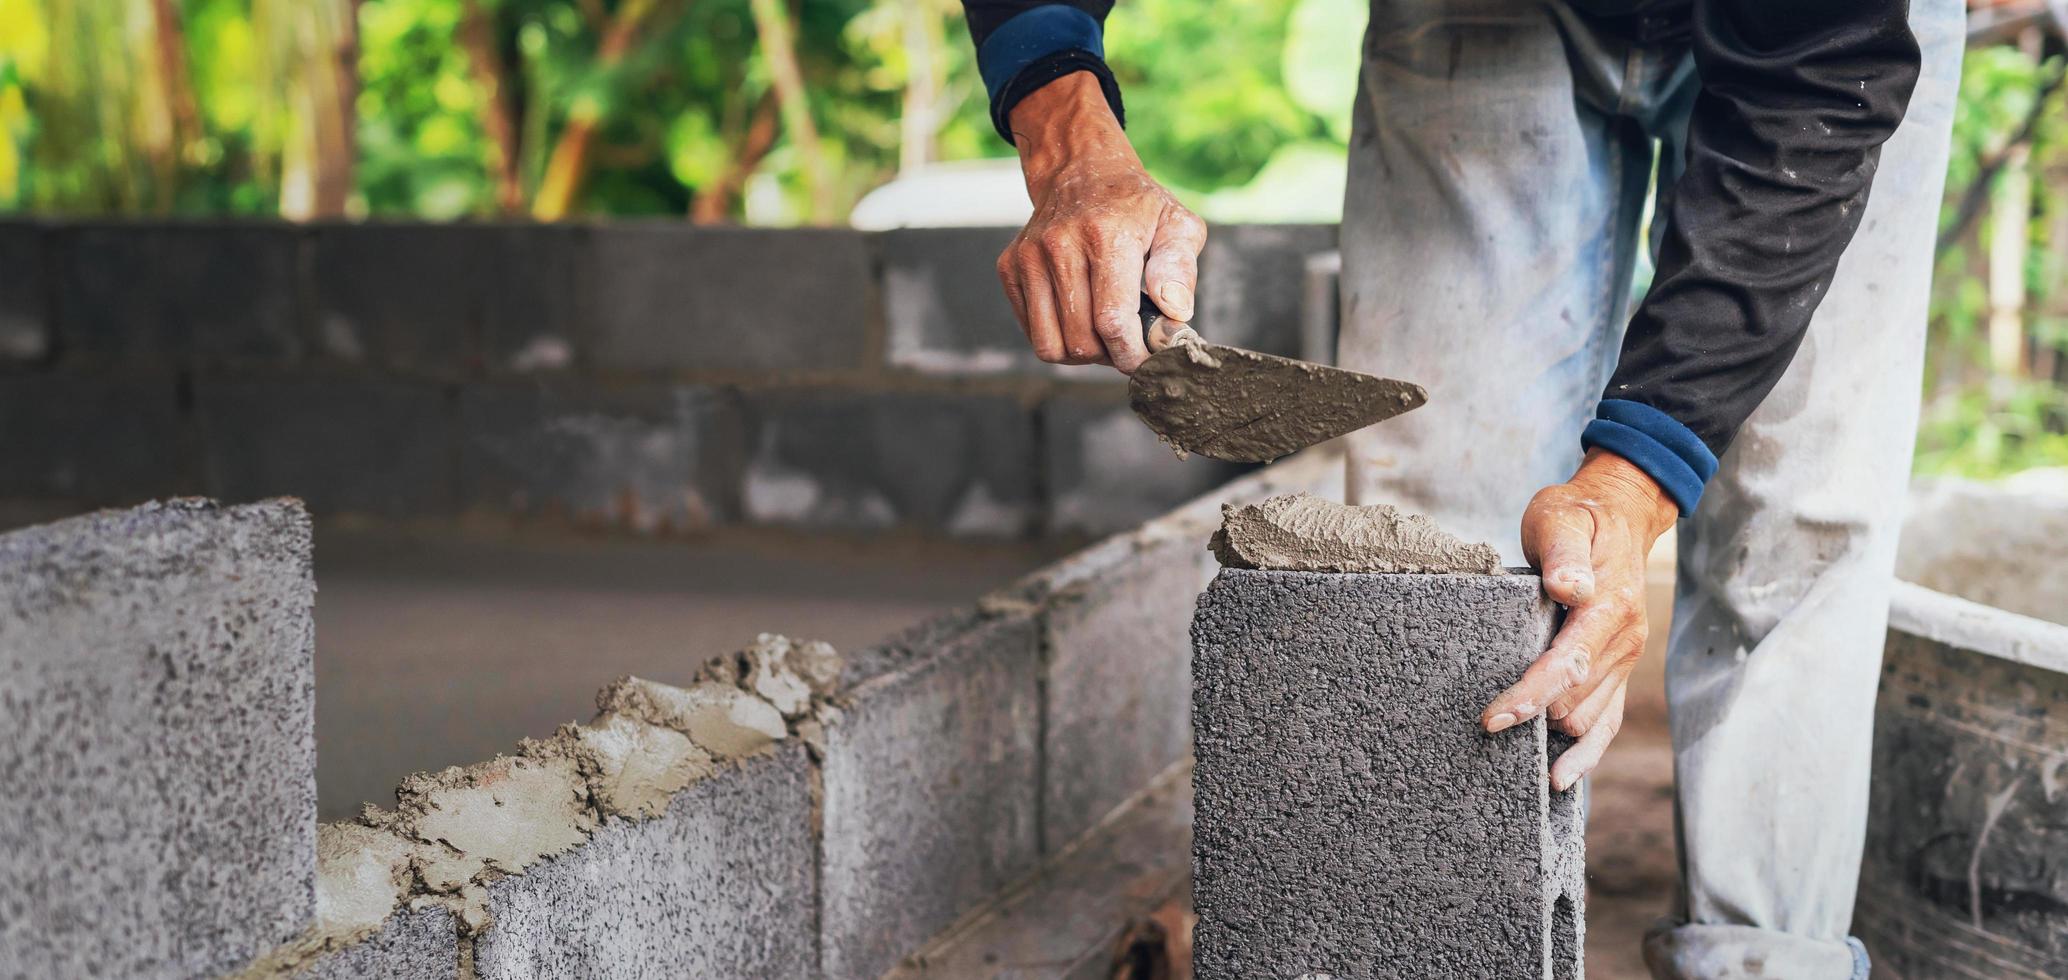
359 445
1250 283
1118 683
1072 922
24 293
153 292
931 786
1350 815
650 458
720 886
1965 871
108 437
414 944
532 317
1106 472
944 311
667 297
871 460
402 296
158 811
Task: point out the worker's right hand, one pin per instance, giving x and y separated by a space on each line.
1103 233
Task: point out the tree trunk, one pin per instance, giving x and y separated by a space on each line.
922 110
712 205
568 165
778 45
498 118
177 92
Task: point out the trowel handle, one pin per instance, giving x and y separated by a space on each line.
1159 331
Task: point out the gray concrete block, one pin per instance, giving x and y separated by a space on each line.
24 293
931 787
346 445
650 458
150 292
1106 472
414 944
403 296
872 459
1118 689
106 437
944 310
1250 280
1965 871
532 317
720 886
668 297
158 812
1350 816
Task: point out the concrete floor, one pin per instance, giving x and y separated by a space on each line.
438 648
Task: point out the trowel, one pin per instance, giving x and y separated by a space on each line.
1245 407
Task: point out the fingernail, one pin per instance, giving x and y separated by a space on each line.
1559 781
1177 299
1501 721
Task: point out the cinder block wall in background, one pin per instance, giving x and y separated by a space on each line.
157 733
1350 818
652 376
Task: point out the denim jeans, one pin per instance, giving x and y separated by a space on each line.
1501 157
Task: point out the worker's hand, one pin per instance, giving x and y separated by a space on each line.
1589 537
1103 233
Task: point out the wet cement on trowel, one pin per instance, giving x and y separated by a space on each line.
1232 404
454 831
1302 533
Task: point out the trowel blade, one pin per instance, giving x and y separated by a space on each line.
1238 405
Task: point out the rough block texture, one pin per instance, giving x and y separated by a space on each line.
404 296
670 298
661 457
718 887
98 438
158 816
944 312
1966 866
1249 284
356 445
1107 472
931 792
870 460
420 944
1350 816
24 293
157 292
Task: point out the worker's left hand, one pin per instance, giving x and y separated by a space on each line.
1589 538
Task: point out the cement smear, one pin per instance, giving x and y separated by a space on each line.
452 832
1308 534
1239 405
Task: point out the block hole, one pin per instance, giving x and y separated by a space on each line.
1565 940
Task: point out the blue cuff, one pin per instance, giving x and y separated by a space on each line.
1662 447
1032 36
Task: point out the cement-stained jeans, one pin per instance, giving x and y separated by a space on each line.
1500 161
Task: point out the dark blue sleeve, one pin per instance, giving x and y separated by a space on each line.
1025 44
